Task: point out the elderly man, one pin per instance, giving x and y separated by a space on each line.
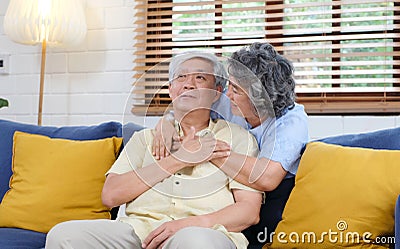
170 205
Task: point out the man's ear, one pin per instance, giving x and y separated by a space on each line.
169 90
218 92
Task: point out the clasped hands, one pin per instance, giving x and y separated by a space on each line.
192 149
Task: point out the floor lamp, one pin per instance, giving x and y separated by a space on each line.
45 22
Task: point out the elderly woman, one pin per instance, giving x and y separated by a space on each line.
261 91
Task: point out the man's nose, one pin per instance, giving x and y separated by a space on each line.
190 82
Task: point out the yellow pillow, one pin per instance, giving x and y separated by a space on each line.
343 197
56 180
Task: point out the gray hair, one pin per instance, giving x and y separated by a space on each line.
220 73
275 73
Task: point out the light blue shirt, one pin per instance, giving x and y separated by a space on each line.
281 139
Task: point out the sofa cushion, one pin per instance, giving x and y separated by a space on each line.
397 227
58 177
340 192
15 238
126 131
382 139
7 129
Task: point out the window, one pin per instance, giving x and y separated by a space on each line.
346 53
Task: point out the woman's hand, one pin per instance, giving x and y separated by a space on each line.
165 137
195 150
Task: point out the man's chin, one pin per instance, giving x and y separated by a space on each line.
187 107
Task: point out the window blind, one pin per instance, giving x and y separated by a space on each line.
346 53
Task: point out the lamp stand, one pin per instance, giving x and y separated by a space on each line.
42 70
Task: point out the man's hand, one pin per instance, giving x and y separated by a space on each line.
195 150
158 237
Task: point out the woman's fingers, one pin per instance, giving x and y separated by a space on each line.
164 136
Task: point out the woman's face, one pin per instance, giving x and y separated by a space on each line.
240 102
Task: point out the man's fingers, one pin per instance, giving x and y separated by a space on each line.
175 145
147 242
167 148
157 240
221 145
163 244
155 147
220 154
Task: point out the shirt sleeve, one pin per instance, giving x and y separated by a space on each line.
284 142
132 155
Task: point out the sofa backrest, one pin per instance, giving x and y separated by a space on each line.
92 132
385 139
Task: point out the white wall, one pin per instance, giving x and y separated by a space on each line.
85 84
91 83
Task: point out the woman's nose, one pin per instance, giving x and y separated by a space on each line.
229 92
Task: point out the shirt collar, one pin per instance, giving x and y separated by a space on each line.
201 133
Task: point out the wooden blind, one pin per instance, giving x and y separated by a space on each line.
346 52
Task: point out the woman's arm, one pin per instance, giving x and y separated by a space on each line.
258 173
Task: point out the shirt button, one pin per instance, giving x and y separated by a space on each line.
177 183
179 174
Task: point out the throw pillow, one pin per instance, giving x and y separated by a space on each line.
59 178
7 129
380 139
397 226
343 197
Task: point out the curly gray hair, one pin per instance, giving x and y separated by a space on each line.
276 92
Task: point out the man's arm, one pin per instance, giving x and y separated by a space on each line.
235 218
122 188
240 215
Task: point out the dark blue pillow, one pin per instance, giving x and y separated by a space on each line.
7 129
127 130
386 139
15 238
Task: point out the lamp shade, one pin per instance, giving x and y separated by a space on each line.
57 22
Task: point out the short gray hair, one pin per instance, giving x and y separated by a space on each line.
220 73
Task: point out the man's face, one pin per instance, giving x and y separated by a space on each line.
193 86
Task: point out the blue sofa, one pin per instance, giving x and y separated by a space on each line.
15 238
